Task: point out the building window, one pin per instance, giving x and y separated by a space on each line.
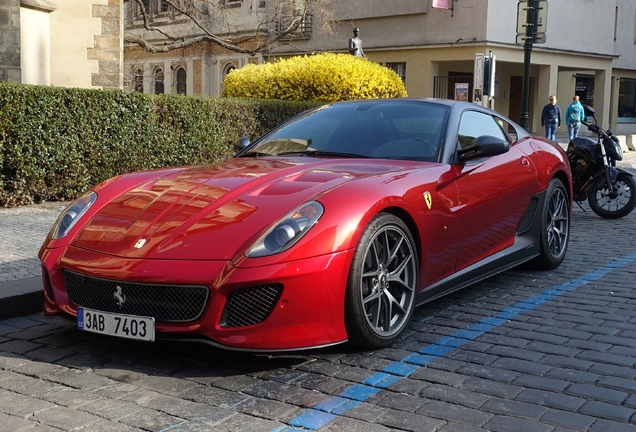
585 89
158 79
138 81
228 68
398 68
290 12
231 3
181 81
154 9
627 101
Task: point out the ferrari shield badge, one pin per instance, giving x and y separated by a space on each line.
141 242
428 199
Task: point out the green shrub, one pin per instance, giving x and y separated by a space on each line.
324 77
56 142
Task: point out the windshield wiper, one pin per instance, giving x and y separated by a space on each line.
322 153
254 154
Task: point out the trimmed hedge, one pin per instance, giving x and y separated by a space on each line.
57 142
326 77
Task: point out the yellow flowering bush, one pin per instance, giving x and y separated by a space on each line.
326 77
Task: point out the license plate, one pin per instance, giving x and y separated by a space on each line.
120 325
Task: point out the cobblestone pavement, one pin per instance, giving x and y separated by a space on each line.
522 351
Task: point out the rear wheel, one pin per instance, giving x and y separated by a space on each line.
613 205
555 227
382 283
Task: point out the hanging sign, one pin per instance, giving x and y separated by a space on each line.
441 4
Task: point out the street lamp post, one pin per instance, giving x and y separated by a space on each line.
531 23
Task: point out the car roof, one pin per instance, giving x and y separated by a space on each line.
455 106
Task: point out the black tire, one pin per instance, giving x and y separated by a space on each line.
613 208
382 284
555 227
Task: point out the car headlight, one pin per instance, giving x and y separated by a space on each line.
71 214
287 231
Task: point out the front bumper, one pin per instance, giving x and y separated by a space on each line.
308 313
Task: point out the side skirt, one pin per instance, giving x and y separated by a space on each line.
525 247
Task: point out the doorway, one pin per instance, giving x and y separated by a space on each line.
516 95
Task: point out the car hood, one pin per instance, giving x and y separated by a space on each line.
212 212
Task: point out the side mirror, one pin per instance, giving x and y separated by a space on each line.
241 143
589 111
484 146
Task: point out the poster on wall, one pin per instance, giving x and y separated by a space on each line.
461 91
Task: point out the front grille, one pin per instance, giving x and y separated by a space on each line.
528 217
166 303
249 306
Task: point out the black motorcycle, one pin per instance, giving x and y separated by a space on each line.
610 191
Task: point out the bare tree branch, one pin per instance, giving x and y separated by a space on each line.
209 21
154 48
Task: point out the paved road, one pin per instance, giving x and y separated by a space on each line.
523 351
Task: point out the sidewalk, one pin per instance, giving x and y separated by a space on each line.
22 232
23 229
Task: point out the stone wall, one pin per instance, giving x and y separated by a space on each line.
10 41
108 49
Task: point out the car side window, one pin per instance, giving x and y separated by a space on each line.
474 124
508 129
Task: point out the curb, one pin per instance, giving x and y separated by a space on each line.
21 297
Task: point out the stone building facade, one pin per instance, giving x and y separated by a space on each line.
10 36
68 43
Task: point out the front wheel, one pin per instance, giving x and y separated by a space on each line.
615 205
382 283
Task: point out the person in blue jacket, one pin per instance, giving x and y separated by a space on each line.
551 117
574 115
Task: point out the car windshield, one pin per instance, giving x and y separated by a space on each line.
391 129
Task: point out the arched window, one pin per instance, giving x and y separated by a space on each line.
138 82
228 68
158 78
181 81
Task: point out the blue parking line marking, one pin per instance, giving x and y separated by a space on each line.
331 404
345 407
359 392
400 369
314 419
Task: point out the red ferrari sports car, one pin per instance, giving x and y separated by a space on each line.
332 227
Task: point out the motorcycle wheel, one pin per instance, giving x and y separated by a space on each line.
601 203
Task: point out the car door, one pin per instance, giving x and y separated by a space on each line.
493 192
